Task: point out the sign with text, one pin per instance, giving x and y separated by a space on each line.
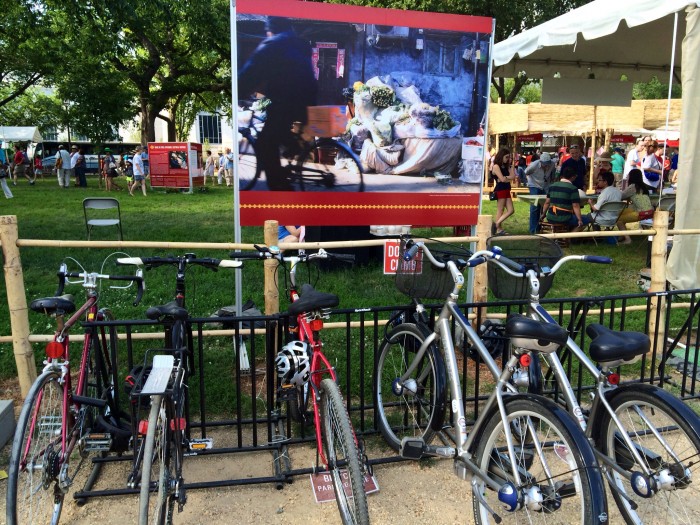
322 485
392 259
424 77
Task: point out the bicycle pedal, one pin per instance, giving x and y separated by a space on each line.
97 443
286 393
412 448
201 444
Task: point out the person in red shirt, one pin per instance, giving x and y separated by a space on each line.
21 163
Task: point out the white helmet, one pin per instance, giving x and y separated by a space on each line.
292 363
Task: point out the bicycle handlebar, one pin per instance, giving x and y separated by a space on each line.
273 252
89 280
153 262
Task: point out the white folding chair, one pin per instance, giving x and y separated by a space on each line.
99 218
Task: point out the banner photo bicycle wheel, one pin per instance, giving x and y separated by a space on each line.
353 115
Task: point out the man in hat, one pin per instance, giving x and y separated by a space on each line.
603 163
63 168
281 69
540 174
139 172
578 162
73 160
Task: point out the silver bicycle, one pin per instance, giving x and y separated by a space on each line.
528 460
646 439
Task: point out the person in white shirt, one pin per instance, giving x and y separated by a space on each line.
73 161
606 183
139 172
65 172
652 168
633 160
222 168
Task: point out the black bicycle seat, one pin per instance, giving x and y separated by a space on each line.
610 345
54 305
312 299
171 309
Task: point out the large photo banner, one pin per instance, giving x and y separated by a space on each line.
354 115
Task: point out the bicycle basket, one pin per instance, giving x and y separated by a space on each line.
419 279
530 250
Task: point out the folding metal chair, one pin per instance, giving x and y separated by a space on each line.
98 219
603 218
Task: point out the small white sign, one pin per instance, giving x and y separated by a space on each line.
322 485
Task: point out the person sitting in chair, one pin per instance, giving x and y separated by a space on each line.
608 193
563 203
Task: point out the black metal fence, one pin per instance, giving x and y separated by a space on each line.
236 405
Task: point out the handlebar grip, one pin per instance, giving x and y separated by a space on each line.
228 263
516 267
411 252
248 255
137 261
597 259
344 257
476 261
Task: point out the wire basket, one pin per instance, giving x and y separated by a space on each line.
420 279
531 251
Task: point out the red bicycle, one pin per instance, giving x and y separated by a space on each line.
306 377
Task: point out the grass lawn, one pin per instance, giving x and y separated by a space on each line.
45 211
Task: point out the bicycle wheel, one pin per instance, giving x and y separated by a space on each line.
248 169
415 408
342 456
157 466
560 480
327 163
33 494
661 427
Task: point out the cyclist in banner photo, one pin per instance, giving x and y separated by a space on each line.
281 69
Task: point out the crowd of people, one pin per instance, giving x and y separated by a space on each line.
562 176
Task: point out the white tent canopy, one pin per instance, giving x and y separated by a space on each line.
634 38
20 134
608 39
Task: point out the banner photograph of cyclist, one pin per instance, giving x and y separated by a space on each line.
340 112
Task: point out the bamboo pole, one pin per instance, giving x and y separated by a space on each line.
17 304
481 294
272 298
658 279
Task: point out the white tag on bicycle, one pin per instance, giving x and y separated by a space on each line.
157 382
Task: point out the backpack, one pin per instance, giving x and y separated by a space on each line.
25 159
59 162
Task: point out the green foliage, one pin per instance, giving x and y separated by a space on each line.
443 120
382 96
654 90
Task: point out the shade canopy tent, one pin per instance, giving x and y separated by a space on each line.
20 134
633 38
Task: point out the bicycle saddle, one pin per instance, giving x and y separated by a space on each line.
535 335
312 299
54 305
170 309
611 345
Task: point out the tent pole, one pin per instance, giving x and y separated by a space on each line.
670 78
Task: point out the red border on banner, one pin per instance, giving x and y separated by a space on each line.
368 15
289 207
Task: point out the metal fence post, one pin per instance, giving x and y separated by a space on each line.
17 304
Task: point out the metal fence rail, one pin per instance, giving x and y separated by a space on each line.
237 407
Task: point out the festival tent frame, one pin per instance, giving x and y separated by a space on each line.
636 38
20 134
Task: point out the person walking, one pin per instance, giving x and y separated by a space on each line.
222 168
109 170
209 167
228 167
63 170
281 69
139 172
20 166
540 174
503 173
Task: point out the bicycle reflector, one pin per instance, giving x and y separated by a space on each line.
54 350
525 360
316 325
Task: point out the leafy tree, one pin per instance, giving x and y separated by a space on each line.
654 89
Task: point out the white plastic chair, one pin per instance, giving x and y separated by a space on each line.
102 203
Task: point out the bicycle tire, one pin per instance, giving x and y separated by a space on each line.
341 451
417 411
153 504
249 169
579 492
679 427
330 164
31 500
